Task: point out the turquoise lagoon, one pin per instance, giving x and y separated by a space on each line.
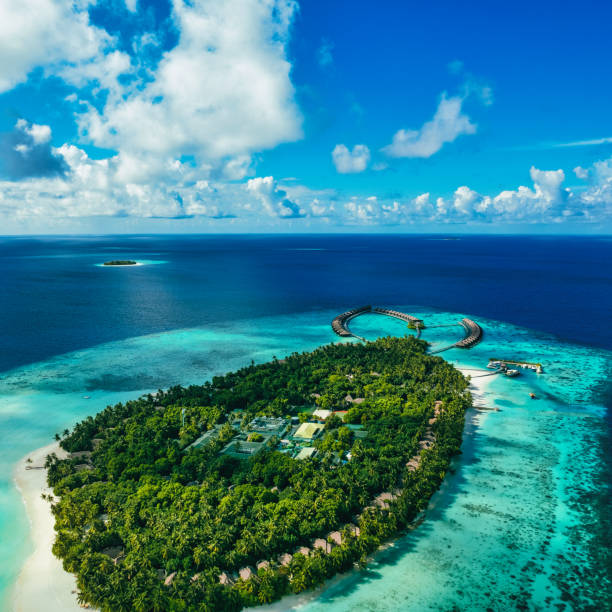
521 522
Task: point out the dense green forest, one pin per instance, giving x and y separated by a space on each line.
147 523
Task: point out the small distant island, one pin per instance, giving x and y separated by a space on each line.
121 262
259 483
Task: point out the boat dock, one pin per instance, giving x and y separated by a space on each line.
528 365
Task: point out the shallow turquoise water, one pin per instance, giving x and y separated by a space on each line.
517 524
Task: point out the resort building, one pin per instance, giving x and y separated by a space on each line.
274 426
306 453
309 431
319 413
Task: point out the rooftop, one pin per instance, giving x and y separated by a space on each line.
308 431
306 452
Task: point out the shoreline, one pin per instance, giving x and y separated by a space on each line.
42 577
479 389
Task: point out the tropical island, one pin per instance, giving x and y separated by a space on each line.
121 262
259 483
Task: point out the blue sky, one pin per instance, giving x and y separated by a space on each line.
269 115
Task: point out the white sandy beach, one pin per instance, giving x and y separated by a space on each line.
478 384
42 585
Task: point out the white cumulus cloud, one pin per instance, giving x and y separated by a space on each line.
448 123
347 161
274 199
54 34
223 91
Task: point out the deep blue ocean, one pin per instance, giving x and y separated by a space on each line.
54 300
71 329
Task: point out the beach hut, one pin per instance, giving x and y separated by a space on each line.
246 573
262 565
382 500
225 579
414 463
170 579
324 545
285 559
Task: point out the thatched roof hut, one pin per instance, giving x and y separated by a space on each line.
285 559
226 579
246 573
322 544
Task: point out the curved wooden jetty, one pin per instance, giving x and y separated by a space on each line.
402 316
340 323
473 331
473 335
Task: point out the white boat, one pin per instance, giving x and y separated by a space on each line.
512 373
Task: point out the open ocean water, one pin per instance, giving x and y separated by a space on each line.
525 519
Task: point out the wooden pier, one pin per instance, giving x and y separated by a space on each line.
529 365
402 316
473 336
473 331
340 323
